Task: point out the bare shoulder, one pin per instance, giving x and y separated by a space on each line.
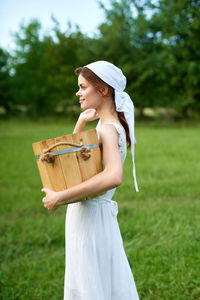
109 138
108 131
110 150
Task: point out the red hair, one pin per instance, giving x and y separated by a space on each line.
99 84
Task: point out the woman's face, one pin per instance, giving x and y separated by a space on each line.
88 94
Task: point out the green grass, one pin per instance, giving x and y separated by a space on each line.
160 225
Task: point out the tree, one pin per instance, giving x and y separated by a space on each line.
177 23
29 81
44 68
157 45
6 97
126 40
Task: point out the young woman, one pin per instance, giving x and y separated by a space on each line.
96 264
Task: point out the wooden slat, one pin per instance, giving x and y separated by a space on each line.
46 182
95 152
69 163
93 165
87 167
54 170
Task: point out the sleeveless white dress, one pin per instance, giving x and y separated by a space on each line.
96 266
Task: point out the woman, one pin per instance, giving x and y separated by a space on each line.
96 264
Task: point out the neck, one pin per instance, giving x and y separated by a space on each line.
107 112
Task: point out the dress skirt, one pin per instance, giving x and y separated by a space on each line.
96 264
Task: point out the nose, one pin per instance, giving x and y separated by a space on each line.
78 93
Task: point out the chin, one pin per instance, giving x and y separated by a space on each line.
84 106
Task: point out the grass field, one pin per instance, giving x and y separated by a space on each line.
160 225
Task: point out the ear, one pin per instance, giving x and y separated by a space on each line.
104 91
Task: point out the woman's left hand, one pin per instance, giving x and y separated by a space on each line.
50 200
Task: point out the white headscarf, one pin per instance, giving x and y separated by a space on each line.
113 76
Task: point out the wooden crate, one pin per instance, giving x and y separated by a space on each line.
69 169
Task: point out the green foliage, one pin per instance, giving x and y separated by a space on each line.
160 224
43 69
178 25
156 43
6 97
159 54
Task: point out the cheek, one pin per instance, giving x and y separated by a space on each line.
97 101
92 97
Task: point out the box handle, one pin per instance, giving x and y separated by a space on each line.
49 157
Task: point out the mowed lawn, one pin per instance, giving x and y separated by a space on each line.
160 225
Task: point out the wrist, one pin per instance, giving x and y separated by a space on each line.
80 125
63 197
60 198
82 120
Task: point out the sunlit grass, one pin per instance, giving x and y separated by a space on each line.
160 225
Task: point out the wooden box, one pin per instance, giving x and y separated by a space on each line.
66 165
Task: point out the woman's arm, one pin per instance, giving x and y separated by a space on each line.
109 178
80 125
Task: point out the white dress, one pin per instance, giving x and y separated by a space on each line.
96 266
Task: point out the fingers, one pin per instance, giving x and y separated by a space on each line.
47 201
45 190
44 200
